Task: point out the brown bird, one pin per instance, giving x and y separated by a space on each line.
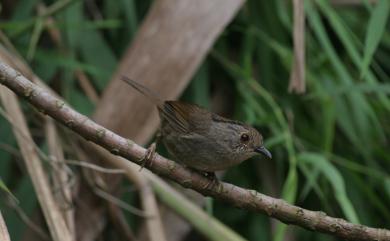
201 139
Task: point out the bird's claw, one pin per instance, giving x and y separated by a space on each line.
148 158
213 180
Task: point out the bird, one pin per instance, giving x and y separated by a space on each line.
200 139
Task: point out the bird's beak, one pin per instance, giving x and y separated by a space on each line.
262 150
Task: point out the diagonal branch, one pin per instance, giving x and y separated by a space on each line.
237 196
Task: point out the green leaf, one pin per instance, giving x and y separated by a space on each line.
351 43
335 179
355 105
23 9
375 30
311 181
6 190
129 8
55 60
102 59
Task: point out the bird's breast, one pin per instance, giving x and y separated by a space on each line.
201 152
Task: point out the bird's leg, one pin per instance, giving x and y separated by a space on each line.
147 160
212 177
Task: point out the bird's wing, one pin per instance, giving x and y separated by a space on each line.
218 118
185 117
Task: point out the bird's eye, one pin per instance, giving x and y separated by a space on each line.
244 137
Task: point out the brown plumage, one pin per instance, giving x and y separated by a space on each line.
201 139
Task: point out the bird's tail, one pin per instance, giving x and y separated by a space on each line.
154 97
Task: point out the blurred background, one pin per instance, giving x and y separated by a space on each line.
312 76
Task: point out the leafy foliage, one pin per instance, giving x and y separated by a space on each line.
330 145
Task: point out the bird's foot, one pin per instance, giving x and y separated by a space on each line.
213 180
147 160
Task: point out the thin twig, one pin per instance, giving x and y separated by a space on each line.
116 201
55 35
10 149
180 204
87 86
50 159
95 167
148 200
49 22
54 219
237 196
60 175
120 222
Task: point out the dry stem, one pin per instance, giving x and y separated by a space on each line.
55 221
4 235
